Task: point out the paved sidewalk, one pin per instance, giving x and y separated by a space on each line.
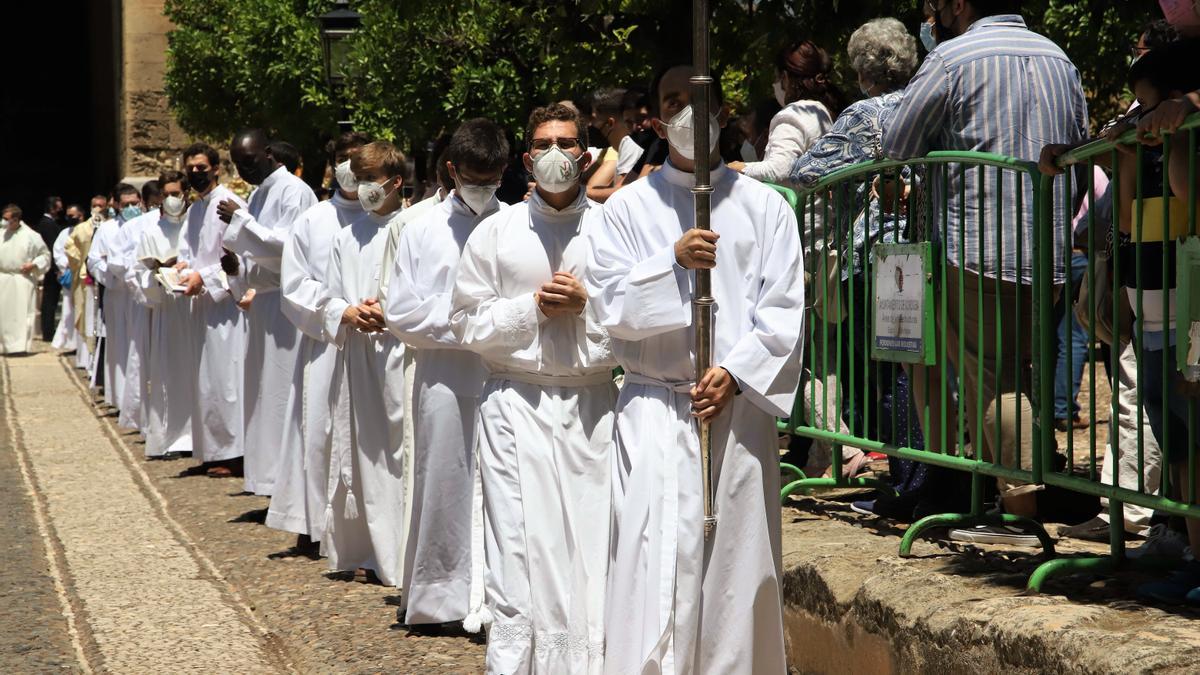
142 597
162 569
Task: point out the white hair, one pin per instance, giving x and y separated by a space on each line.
882 51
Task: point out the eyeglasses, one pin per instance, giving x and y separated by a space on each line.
543 144
1137 50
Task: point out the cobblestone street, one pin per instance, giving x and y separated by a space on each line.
118 564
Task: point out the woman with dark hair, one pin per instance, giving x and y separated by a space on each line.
810 101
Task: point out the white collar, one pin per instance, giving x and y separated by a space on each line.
687 180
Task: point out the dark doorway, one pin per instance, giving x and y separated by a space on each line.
58 103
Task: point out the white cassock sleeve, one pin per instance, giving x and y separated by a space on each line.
96 254
304 297
418 307
635 298
766 360
482 320
152 292
254 241
260 244
335 303
41 255
59 252
115 267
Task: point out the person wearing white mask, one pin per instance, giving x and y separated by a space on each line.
545 436
67 336
24 258
122 264
114 297
170 377
810 100
673 605
298 505
443 568
363 520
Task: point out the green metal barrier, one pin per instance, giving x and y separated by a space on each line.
1163 224
842 218
997 338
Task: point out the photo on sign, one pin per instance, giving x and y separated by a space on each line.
899 303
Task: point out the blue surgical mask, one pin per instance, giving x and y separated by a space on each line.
130 212
927 38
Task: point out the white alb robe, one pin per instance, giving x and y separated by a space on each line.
298 505
363 526
18 290
219 337
440 565
258 233
122 264
545 439
169 368
113 304
678 603
406 358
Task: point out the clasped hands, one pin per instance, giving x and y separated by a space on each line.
561 295
365 317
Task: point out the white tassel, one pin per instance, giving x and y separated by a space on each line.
328 521
476 620
351 512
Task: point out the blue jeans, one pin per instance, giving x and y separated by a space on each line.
1169 417
1071 336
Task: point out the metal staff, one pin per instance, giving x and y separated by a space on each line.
702 300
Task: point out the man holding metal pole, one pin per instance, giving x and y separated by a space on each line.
687 594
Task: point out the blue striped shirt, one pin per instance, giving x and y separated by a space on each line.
998 88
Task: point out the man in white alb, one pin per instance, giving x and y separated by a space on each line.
443 569
219 333
678 603
114 296
364 522
169 368
24 258
257 233
545 435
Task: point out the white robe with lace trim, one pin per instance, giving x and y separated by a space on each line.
545 439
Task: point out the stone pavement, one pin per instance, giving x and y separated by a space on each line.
144 566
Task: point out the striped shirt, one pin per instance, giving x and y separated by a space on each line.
998 88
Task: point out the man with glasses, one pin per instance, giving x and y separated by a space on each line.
439 567
545 436
990 85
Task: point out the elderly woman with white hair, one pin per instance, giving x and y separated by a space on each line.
884 55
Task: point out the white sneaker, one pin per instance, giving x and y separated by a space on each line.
1161 542
996 534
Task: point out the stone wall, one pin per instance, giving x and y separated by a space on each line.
149 138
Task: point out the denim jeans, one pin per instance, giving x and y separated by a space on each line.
1072 337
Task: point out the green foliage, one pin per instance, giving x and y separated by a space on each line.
238 63
419 67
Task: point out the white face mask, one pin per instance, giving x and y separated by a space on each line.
780 96
555 171
345 177
749 154
680 137
174 206
476 197
372 195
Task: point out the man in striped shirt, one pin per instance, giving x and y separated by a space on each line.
991 85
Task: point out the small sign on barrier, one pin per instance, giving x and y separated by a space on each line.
902 303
